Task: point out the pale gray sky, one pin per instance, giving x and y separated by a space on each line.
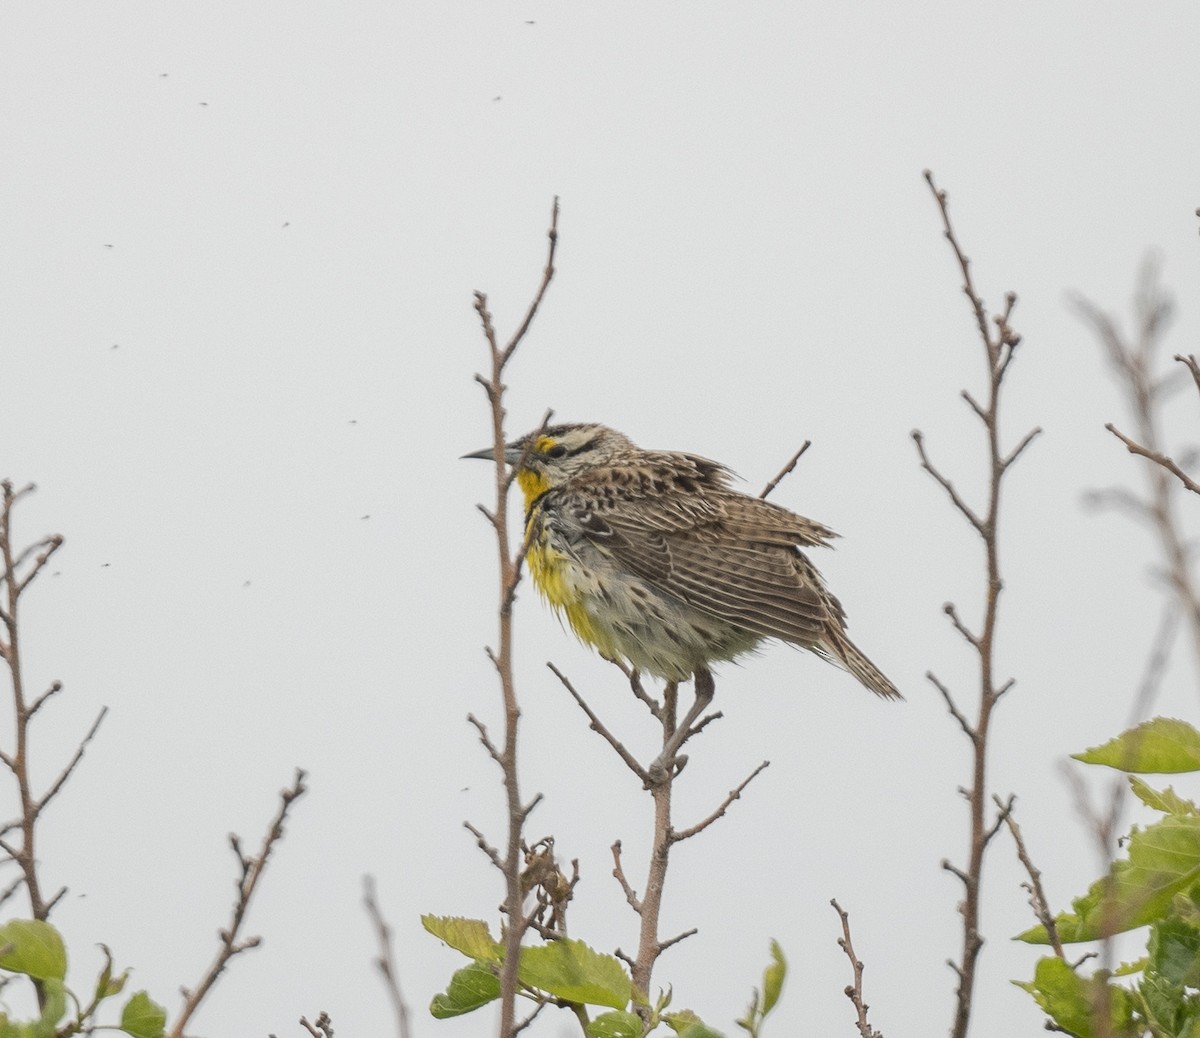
239 244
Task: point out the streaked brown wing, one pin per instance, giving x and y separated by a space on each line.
732 556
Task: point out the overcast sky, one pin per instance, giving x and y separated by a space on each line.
238 247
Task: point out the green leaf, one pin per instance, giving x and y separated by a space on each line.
1161 746
1164 860
1071 1000
773 978
617 1024
573 971
54 1006
142 1017
1166 800
470 987
469 936
687 1024
35 949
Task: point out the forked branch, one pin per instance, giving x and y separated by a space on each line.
504 751
999 342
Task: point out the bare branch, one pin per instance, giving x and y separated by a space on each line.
1155 456
950 610
664 945
597 726
854 991
963 723
785 470
386 963
251 872
36 705
483 845
1037 895
944 483
547 275
1026 440
619 874
65 774
686 834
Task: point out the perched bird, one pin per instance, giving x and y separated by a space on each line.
654 559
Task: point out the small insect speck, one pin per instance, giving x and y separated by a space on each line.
497 98
367 516
107 245
105 565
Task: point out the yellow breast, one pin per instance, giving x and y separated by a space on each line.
563 584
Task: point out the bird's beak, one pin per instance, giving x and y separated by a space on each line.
512 454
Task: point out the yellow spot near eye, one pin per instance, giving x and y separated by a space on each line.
544 443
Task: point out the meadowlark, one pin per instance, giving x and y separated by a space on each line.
654 559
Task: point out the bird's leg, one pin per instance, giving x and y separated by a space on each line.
704 687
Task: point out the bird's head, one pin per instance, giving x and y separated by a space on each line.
548 458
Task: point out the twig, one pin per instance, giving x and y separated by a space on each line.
999 342
386 963
597 726
322 1028
510 572
677 836
854 991
785 470
251 872
1037 894
72 764
1157 457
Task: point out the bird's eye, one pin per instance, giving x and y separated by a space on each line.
557 451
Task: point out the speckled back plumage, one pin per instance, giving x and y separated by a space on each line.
654 558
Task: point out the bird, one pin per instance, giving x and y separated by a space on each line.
655 560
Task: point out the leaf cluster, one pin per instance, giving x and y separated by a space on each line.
568 973
35 949
1157 885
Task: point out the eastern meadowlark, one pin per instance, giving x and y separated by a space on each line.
654 559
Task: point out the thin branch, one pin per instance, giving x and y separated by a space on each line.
65 774
664 945
1026 440
678 836
957 714
385 962
483 845
946 485
1157 457
1037 894
854 991
785 470
619 874
36 705
999 342
598 726
950 610
547 276
322 1028
251 872
1192 366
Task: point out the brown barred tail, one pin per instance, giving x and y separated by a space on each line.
841 650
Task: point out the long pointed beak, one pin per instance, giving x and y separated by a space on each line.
512 454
